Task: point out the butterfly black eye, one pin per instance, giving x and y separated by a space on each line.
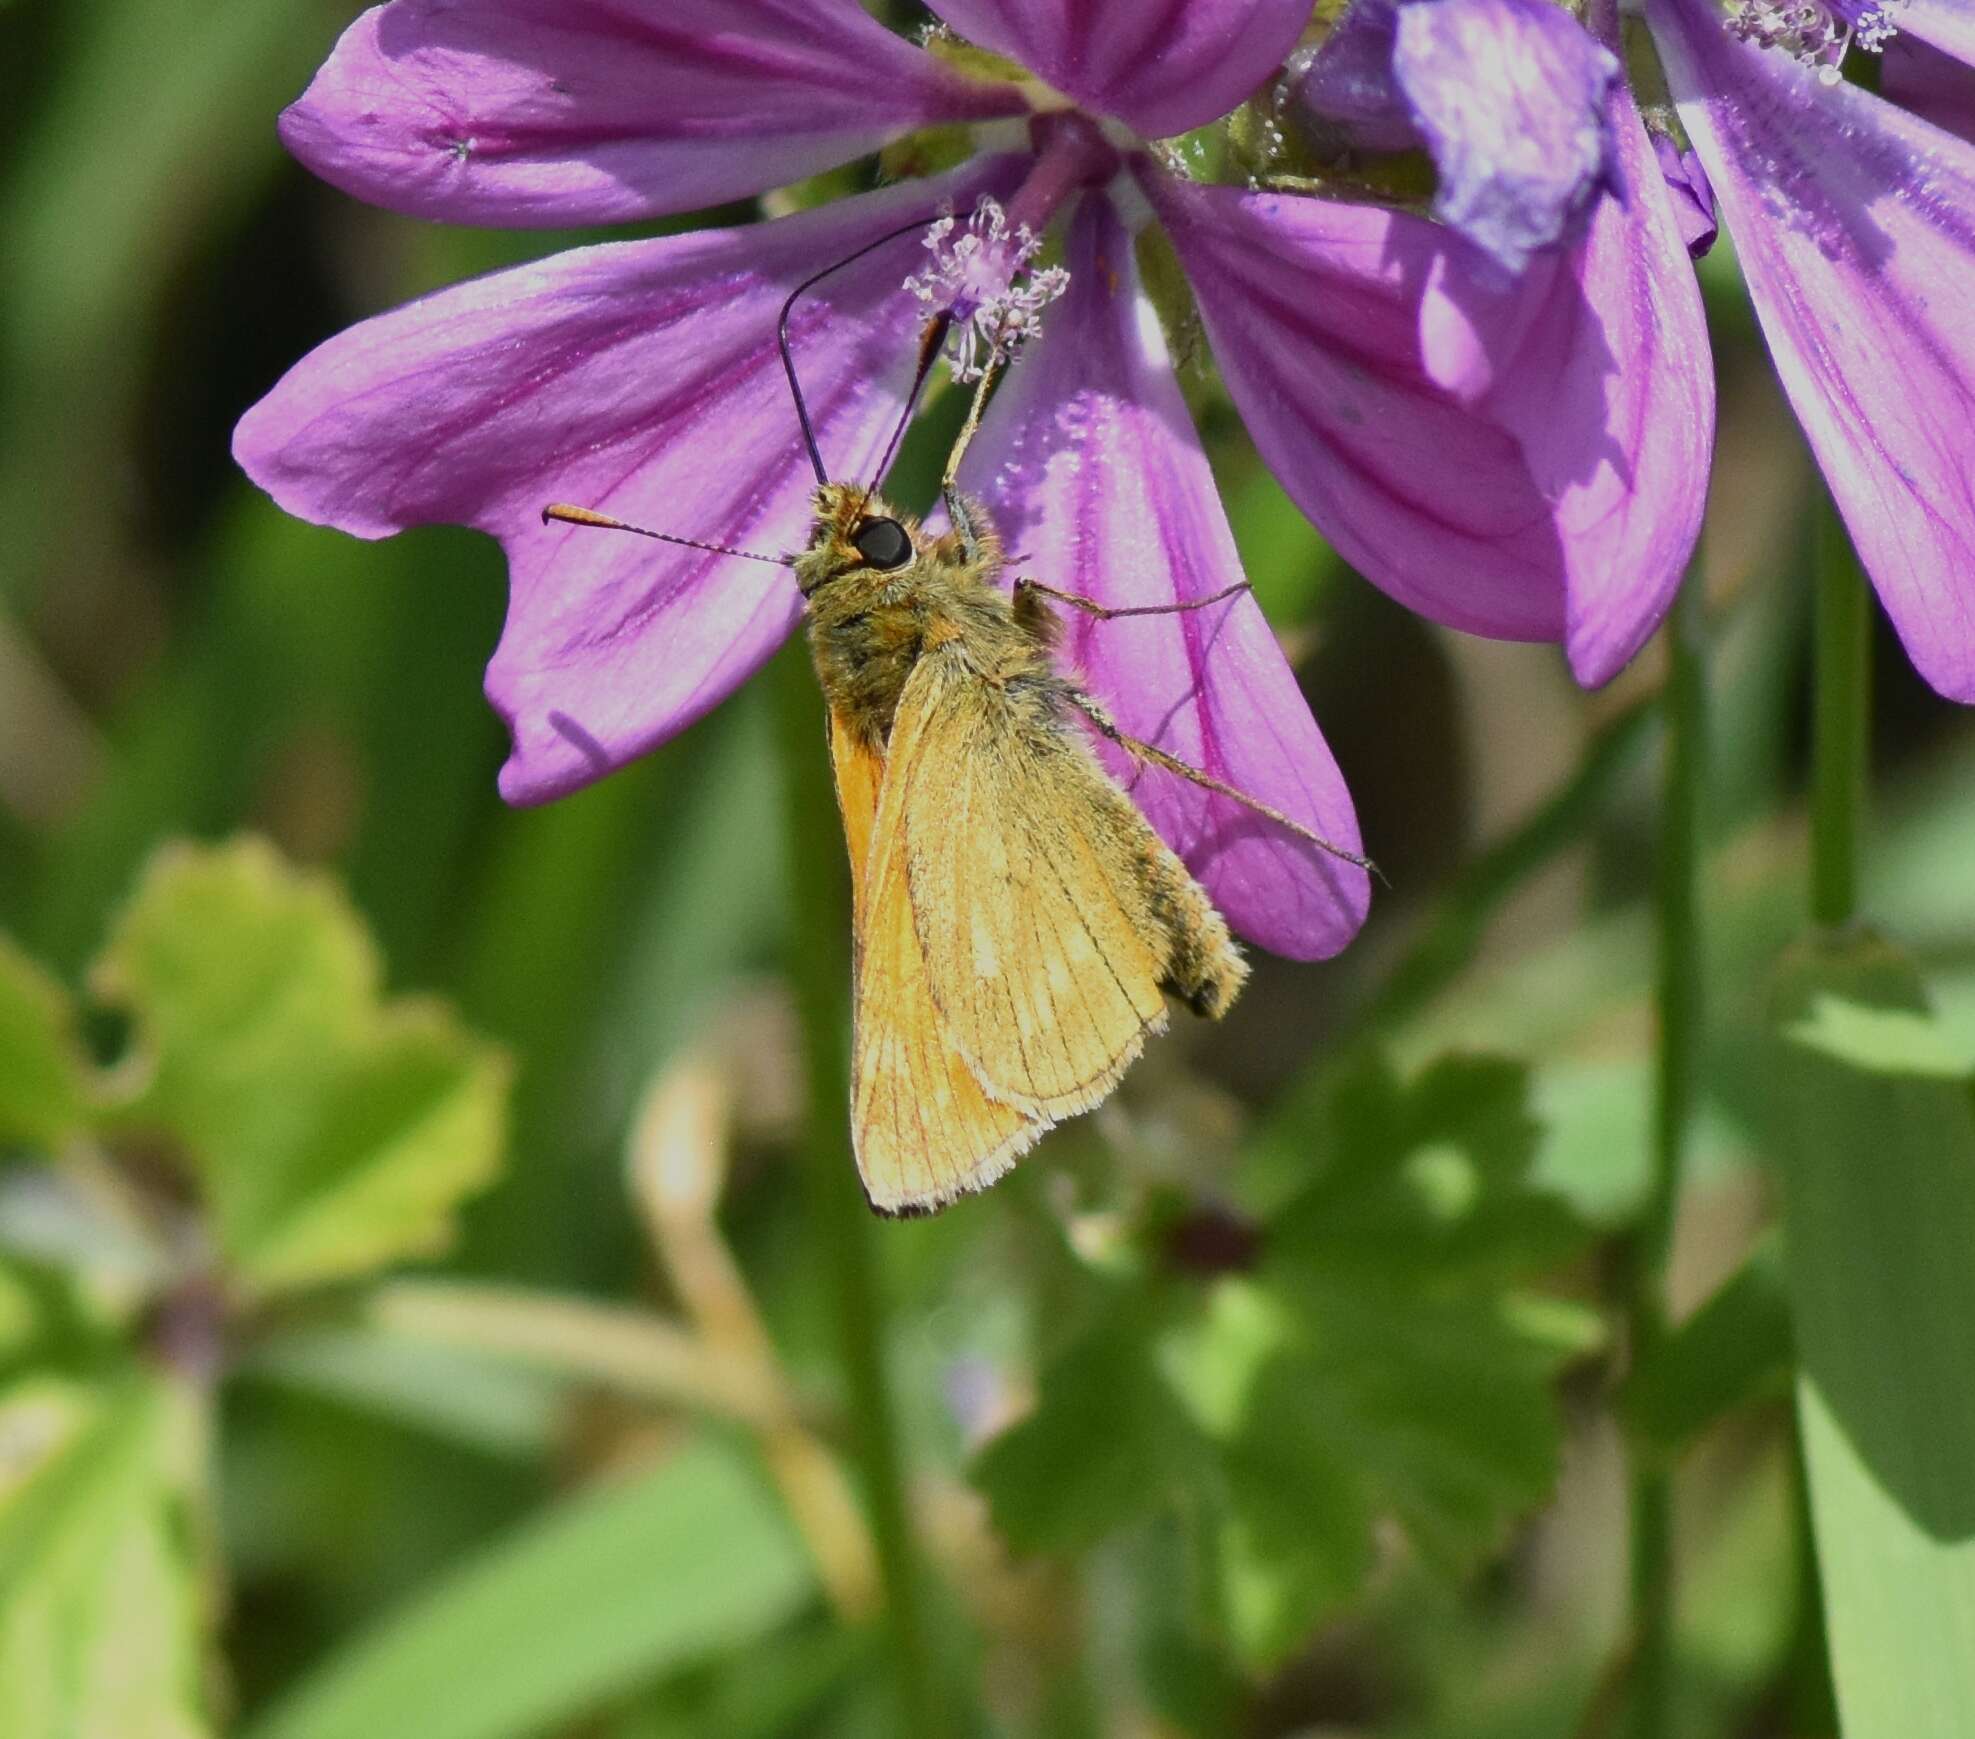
884 543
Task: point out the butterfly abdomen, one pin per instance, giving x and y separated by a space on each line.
1203 967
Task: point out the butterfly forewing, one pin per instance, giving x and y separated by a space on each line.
923 1129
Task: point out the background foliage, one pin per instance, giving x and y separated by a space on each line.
433 1296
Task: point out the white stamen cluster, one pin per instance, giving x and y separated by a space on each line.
981 277
1817 33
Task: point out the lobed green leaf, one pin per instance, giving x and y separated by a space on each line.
331 1132
43 1073
1377 1365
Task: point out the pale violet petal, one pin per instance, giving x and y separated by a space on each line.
1512 97
1495 456
1855 226
640 379
1161 66
562 112
1930 83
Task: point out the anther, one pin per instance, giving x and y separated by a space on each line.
981 279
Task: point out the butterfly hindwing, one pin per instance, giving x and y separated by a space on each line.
1035 882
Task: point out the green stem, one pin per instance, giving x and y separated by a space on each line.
840 1221
1842 731
1679 1002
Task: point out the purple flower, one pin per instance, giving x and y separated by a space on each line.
1854 220
1508 97
1404 393
1542 473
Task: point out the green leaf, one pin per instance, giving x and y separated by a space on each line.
98 1601
1377 1366
43 1075
1878 1171
1107 1438
1435 1416
333 1133
1409 1374
609 1589
1425 1182
1291 1520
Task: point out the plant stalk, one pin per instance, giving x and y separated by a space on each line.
840 1220
1678 997
1842 726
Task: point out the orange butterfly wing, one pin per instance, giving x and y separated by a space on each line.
1038 891
923 1129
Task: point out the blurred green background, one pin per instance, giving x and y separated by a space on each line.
516 1359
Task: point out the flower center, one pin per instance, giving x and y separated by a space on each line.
1816 33
983 275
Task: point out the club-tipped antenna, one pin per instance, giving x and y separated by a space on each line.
560 511
788 355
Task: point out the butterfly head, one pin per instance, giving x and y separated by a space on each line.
856 533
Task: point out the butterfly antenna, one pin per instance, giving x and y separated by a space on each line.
567 515
930 343
788 354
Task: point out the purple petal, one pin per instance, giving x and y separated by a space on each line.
1855 225
1693 195
1345 91
1930 83
1948 25
1511 96
1626 292
640 379
552 112
1162 66
1521 460
1314 310
1090 460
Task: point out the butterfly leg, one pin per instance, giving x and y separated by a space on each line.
1102 722
958 509
1110 613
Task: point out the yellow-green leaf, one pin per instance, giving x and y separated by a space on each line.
331 1131
43 1076
99 1607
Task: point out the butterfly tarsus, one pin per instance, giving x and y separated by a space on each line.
1107 728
